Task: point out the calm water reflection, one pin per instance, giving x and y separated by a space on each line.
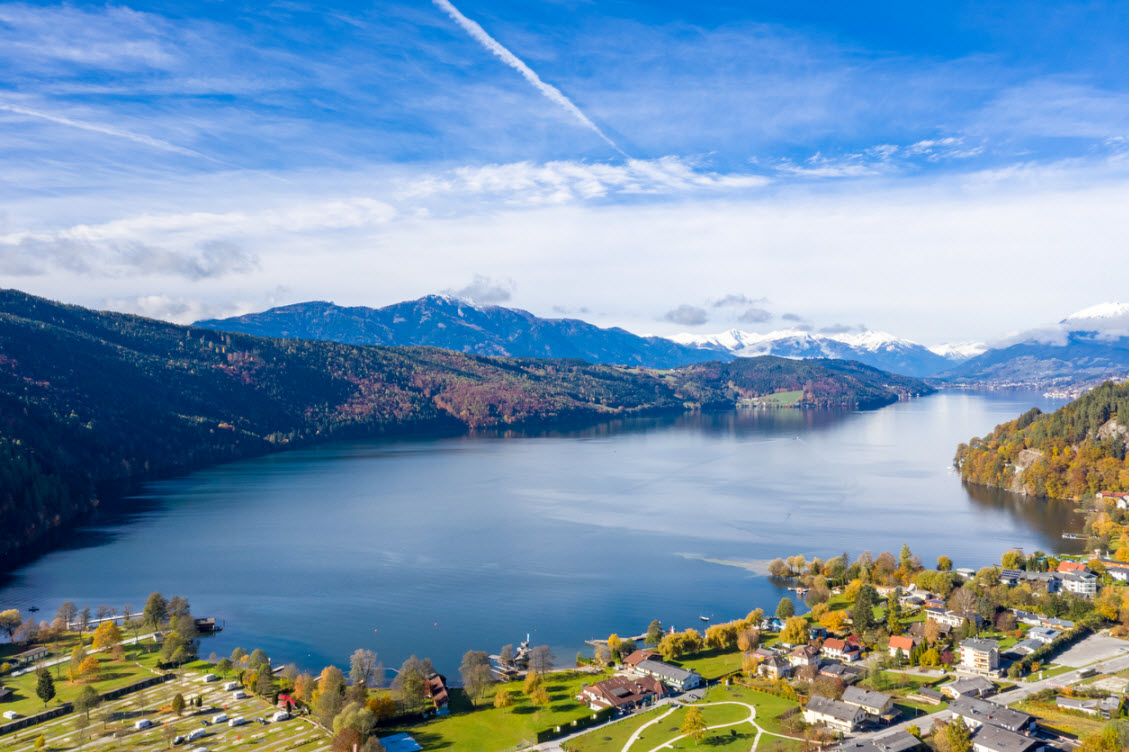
438 546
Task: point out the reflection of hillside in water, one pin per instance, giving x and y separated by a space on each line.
1051 517
737 423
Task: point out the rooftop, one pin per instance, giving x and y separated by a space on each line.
833 708
1001 740
982 711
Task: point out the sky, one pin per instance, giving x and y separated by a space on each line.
943 171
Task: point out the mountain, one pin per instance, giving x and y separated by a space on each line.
454 324
1076 451
876 349
1084 348
89 398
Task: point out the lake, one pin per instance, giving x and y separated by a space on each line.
437 546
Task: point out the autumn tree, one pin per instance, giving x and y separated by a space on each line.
476 674
10 621
503 699
541 659
795 631
944 564
106 634
330 695
693 724
365 668
155 611
410 684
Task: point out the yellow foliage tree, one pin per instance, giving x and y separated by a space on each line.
106 635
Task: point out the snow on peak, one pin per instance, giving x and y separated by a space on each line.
1100 311
959 350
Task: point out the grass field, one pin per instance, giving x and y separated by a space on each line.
712 664
492 728
612 737
112 724
139 664
1053 718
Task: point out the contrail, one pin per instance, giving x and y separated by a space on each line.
548 90
139 138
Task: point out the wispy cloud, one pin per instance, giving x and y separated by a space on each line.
107 130
484 289
687 315
549 91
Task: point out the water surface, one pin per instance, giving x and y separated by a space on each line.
436 546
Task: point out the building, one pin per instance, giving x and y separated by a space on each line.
804 655
980 656
1071 566
1080 583
1024 648
1118 570
897 741
5 693
1012 577
979 712
989 738
775 667
1044 635
951 618
840 650
904 643
833 713
436 691
637 657
876 705
1121 499
1089 707
969 686
28 657
845 673
622 693
672 676
927 695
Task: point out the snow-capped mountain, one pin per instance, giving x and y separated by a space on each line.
959 351
878 349
1083 348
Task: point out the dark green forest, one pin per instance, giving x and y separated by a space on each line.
89 398
1074 452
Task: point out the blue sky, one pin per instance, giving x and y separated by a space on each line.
944 171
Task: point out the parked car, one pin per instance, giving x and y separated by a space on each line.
281 715
221 718
178 740
238 721
144 723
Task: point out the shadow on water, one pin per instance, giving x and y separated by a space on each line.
1051 517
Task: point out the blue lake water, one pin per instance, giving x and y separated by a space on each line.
437 546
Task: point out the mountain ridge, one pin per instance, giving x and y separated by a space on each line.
89 398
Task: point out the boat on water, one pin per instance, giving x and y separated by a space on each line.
704 618
33 609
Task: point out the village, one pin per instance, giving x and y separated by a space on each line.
1026 656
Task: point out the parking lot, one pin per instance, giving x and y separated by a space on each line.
1096 647
113 725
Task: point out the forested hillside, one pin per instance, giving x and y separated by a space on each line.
89 397
1076 451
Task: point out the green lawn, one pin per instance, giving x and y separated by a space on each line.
715 715
114 674
612 737
782 399
769 707
491 728
712 664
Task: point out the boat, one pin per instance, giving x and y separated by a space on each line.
704 618
33 609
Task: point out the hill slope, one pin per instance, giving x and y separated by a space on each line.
1075 451
89 397
439 321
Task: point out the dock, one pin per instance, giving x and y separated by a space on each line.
1076 536
597 643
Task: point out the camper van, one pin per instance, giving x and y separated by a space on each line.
197 734
144 723
221 718
210 678
237 722
231 686
281 715
239 695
